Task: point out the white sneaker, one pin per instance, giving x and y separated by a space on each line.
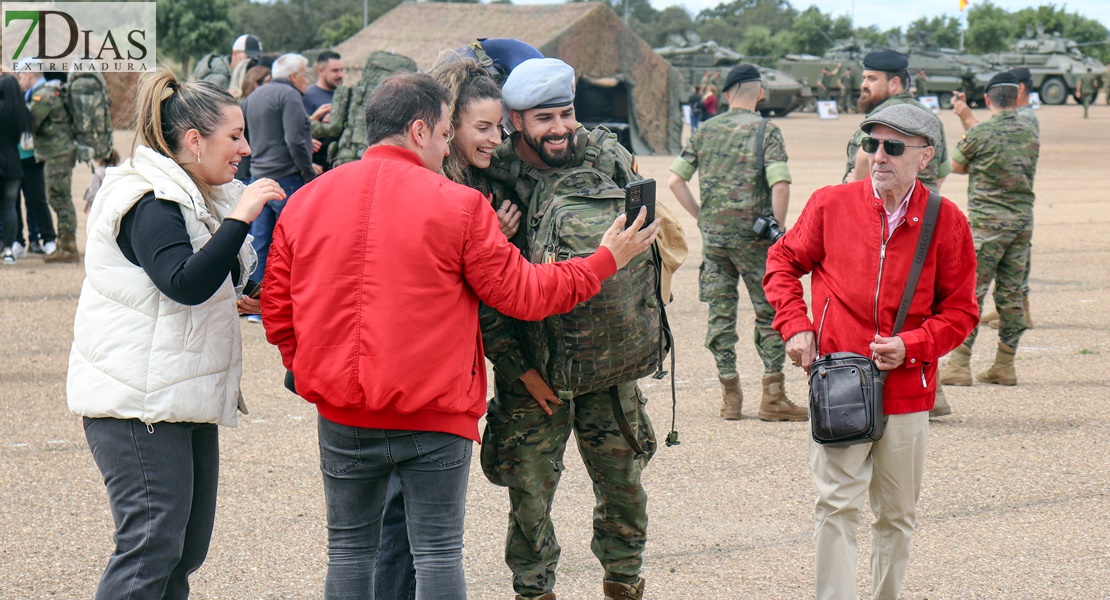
18 250
49 247
9 258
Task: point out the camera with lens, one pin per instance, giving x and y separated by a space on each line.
768 228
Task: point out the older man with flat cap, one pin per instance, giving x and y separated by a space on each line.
858 241
886 82
528 423
744 180
1000 157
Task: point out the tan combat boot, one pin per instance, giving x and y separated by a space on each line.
957 371
776 406
623 591
941 408
990 318
66 252
1002 371
733 398
547 596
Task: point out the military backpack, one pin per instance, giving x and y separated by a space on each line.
86 99
352 142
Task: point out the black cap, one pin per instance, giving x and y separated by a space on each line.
1003 78
890 61
741 74
1022 74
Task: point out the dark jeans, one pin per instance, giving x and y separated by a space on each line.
40 223
394 573
263 226
433 469
9 200
161 482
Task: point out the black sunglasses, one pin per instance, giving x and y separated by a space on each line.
870 145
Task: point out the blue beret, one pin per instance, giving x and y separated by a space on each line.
507 53
890 61
539 83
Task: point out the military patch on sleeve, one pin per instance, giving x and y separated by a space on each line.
36 98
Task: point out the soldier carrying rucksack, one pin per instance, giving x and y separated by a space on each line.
71 122
347 119
576 371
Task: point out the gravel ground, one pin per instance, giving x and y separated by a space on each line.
1012 507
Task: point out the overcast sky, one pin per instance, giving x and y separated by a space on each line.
893 13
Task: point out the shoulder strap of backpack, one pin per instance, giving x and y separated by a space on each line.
760 165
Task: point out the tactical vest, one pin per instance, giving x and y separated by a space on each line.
616 336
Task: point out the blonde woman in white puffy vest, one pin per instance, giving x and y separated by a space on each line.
156 357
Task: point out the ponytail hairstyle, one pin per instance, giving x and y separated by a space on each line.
467 82
168 108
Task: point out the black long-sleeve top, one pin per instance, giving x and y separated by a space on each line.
153 236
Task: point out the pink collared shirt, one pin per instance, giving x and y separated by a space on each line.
893 218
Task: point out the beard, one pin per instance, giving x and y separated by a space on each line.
557 160
868 101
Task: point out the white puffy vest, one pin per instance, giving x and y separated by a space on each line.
136 353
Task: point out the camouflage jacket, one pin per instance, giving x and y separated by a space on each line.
938 168
733 194
510 178
53 132
347 121
1001 156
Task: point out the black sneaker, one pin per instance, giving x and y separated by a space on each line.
35 247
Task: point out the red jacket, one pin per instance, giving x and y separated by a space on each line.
372 287
838 238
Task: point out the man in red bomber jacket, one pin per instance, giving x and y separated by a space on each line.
371 294
858 241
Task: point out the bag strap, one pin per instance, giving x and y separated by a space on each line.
932 209
760 165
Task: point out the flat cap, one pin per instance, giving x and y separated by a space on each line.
890 61
1022 74
1003 78
908 119
539 83
741 74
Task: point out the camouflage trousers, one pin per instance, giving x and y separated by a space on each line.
58 172
522 449
718 285
1003 256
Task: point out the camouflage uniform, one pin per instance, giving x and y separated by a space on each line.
848 80
1089 89
938 168
522 447
56 148
1026 112
1001 154
733 195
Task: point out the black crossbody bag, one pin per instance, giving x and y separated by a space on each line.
845 388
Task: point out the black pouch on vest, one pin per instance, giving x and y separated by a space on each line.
845 399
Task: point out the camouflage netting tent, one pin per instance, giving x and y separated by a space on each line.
622 82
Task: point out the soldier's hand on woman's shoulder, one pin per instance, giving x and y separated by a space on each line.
627 243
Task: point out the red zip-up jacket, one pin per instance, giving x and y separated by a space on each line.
372 287
857 283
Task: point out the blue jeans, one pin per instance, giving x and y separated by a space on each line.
394 573
263 226
433 469
161 482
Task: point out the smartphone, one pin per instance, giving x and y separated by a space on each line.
252 289
637 194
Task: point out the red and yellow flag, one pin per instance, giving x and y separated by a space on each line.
963 5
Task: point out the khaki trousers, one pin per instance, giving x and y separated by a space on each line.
891 471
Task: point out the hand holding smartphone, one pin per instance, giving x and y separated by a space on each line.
637 194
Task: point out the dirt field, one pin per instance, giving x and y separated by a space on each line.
1014 502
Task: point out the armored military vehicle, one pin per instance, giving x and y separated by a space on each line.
1056 64
947 70
708 61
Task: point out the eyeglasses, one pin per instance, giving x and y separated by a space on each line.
870 145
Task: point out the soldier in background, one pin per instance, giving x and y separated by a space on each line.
1087 90
228 71
56 148
1000 157
735 192
922 81
885 83
846 84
